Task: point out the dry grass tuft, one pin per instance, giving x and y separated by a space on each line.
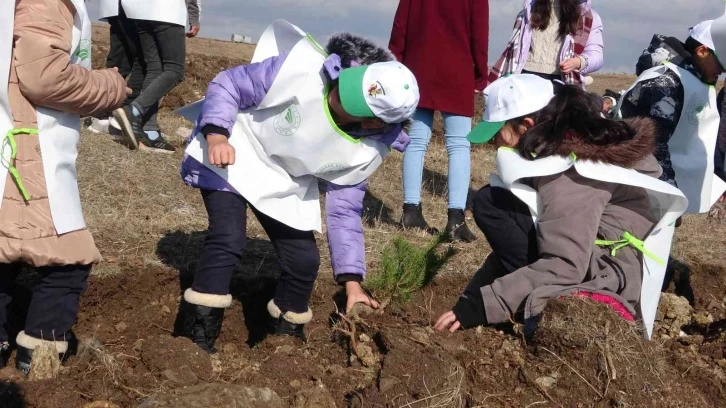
45 364
452 396
589 343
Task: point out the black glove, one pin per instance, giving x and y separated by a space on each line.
469 310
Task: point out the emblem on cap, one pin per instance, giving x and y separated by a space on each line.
376 89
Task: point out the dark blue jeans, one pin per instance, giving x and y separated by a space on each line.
54 303
297 252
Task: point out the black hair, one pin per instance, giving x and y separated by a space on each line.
571 113
570 16
691 45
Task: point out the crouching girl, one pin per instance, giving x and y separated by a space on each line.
265 135
576 209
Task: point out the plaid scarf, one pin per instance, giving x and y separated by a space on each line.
509 61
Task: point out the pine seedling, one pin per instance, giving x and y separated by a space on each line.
405 269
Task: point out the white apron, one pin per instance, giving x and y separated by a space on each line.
693 143
667 204
58 132
165 11
107 8
283 145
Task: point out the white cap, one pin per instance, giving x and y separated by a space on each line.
717 34
509 98
712 34
702 33
385 90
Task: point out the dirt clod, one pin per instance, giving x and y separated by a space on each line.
215 395
316 395
101 404
180 377
674 312
176 359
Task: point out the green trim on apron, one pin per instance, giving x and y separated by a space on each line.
10 137
628 240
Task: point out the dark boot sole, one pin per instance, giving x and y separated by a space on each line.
429 230
145 148
126 130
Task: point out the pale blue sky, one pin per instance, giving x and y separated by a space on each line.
629 24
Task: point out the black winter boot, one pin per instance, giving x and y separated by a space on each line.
27 344
203 315
288 323
4 354
413 218
456 228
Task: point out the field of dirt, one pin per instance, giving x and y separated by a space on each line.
150 229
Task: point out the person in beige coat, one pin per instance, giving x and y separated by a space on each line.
41 75
575 246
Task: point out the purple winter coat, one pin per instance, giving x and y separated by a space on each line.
245 86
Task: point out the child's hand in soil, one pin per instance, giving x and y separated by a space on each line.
355 294
221 153
448 321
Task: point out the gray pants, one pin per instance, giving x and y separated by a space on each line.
159 66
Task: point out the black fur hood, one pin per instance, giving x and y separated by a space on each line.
350 47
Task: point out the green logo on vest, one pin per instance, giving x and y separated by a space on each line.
695 113
330 168
287 122
84 50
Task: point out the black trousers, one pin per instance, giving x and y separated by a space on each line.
122 52
508 226
297 252
158 67
54 303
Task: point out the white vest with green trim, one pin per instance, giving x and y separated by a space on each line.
289 140
58 132
165 11
667 204
693 143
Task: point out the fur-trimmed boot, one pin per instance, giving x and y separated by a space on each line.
27 344
288 323
203 315
4 353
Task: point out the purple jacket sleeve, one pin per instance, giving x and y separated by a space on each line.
235 89
593 52
343 210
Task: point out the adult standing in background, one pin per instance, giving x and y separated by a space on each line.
121 55
554 39
445 44
159 65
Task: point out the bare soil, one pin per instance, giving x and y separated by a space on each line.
150 229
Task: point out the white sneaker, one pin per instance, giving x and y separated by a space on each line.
99 125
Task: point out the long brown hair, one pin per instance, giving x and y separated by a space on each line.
569 18
571 113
